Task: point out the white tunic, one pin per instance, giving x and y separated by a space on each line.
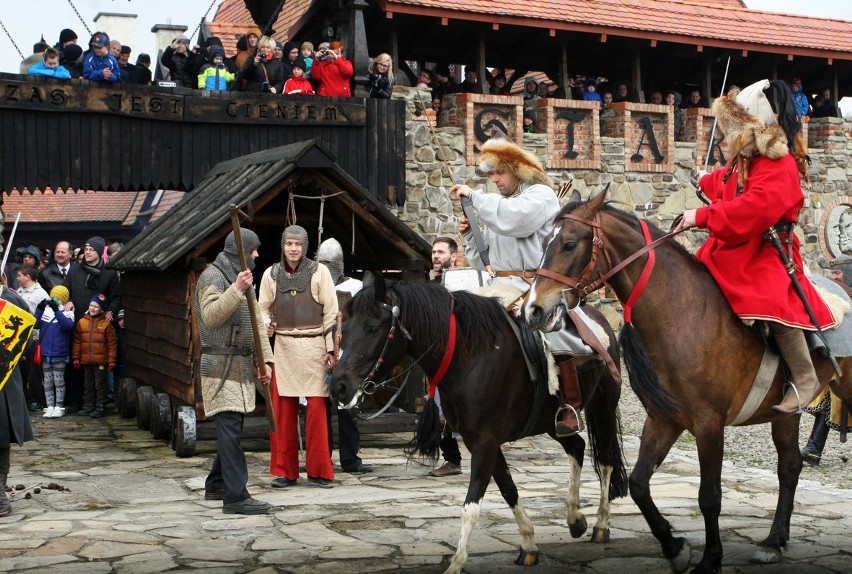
515 230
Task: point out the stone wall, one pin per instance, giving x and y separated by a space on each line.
658 197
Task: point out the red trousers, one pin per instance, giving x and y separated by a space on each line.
284 443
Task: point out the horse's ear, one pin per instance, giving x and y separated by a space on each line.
597 201
377 282
575 197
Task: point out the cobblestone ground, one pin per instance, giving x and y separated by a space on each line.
131 506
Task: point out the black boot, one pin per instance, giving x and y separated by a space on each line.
812 453
570 422
5 505
97 412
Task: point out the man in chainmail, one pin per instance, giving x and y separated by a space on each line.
299 307
227 370
330 254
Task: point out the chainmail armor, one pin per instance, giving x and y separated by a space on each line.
330 253
301 279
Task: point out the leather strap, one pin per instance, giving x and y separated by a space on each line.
759 388
592 340
522 274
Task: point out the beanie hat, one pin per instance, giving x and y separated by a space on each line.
60 292
125 50
120 315
72 52
143 59
590 82
67 35
183 39
529 114
300 63
242 44
212 41
216 51
97 243
500 154
101 300
289 46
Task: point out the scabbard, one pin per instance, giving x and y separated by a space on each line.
470 214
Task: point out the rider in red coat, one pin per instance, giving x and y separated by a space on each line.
761 188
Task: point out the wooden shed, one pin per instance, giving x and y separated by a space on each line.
159 269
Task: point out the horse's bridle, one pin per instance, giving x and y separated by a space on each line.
369 386
583 285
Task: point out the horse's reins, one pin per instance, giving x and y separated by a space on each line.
577 287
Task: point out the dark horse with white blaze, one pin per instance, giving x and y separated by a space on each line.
690 359
487 394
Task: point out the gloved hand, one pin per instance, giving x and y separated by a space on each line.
111 367
54 304
76 364
43 304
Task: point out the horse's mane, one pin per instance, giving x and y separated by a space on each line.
425 313
629 218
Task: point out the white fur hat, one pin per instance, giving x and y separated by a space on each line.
756 103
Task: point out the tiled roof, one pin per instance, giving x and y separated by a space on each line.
233 20
716 22
50 206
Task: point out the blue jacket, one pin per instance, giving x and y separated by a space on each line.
59 72
207 78
94 65
54 332
800 98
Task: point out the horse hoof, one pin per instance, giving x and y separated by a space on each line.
527 558
766 555
578 528
680 561
600 535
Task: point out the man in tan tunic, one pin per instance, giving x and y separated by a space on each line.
298 303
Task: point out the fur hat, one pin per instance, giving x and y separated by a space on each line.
751 128
61 293
101 300
500 154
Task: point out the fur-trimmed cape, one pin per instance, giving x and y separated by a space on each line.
500 154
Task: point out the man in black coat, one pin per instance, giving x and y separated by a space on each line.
90 278
54 273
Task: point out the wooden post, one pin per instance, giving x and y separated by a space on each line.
636 75
563 71
481 70
356 48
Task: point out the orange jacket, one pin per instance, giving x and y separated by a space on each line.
95 341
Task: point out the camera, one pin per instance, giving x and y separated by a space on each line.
264 87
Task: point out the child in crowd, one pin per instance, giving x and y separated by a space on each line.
529 121
95 349
298 83
99 65
49 66
55 325
307 53
591 94
215 76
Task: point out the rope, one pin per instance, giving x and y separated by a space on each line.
291 210
12 40
79 16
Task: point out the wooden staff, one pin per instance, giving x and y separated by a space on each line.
255 328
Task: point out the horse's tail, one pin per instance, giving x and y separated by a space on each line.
643 378
599 429
427 436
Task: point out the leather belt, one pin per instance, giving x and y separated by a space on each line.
242 351
301 335
522 274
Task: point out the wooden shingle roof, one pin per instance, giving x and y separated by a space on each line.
256 180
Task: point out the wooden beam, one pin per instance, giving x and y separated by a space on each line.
699 48
552 32
481 70
636 72
789 57
563 71
495 26
389 15
445 21
830 61
653 43
745 53
603 38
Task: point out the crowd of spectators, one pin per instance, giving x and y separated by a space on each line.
76 347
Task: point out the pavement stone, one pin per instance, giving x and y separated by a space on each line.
131 507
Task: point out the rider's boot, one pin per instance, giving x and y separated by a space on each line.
570 422
794 349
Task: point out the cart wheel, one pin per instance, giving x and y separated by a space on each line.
183 433
144 397
127 397
161 416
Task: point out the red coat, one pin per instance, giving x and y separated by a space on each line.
333 77
746 266
299 85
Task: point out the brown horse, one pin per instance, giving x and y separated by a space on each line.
487 393
691 361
